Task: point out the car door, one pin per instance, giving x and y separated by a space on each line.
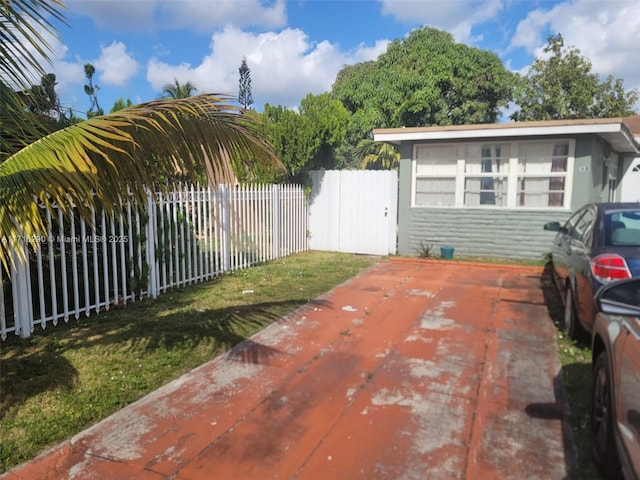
580 247
627 358
561 250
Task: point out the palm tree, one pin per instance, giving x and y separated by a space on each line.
103 160
178 90
377 155
22 44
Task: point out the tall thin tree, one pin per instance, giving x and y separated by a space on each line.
245 97
92 91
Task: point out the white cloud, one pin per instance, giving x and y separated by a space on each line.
605 32
118 15
285 66
457 17
206 16
116 65
200 15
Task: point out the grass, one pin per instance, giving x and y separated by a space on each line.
65 378
575 358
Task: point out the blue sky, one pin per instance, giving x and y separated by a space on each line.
297 47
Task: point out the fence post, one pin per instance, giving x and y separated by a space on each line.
151 245
224 227
275 229
22 304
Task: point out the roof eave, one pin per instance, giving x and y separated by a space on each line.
614 132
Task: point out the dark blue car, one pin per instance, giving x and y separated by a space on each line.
600 243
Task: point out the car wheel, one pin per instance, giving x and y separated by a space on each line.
570 318
603 448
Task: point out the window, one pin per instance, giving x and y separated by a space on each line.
542 171
486 169
529 174
435 174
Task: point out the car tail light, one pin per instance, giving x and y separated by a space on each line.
608 267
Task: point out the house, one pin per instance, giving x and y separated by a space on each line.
487 190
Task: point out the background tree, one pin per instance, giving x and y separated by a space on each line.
92 90
178 90
121 104
377 155
423 79
245 97
306 140
563 86
43 104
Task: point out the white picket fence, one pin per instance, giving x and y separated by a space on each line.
188 236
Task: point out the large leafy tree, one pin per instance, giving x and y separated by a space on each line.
562 86
103 160
423 79
306 140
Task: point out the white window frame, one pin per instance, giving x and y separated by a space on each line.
512 176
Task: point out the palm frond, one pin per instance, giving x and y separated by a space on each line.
23 47
99 162
376 155
23 24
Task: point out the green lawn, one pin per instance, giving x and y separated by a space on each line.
65 378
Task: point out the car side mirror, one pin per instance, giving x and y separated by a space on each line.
553 226
620 298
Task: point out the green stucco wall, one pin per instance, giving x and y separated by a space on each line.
589 174
480 233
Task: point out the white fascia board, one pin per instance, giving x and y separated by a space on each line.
498 132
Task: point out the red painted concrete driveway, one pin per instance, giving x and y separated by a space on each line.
412 370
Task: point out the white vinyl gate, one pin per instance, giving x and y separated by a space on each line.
354 211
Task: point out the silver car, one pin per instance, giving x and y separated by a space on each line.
615 412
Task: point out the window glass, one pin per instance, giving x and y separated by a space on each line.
485 191
435 181
584 227
626 293
543 167
570 226
437 160
438 191
487 158
622 228
486 169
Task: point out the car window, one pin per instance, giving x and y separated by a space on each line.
570 226
626 293
584 227
623 228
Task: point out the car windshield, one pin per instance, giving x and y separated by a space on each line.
623 228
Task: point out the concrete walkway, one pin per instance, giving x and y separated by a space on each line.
412 370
